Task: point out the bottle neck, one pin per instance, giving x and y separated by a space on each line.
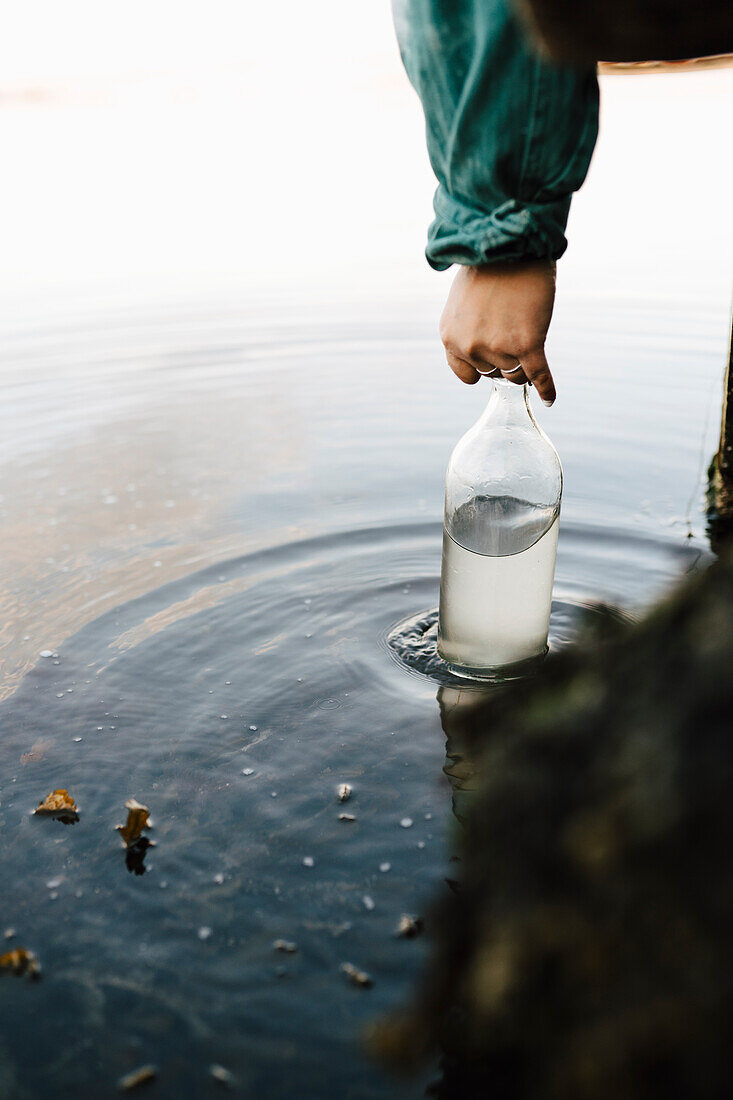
509 403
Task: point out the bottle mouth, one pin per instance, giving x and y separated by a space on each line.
495 375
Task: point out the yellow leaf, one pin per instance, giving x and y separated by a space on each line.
21 961
138 818
59 804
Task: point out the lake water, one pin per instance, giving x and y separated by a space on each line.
224 426
215 518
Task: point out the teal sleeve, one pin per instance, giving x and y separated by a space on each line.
510 135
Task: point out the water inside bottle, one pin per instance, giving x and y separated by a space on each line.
496 585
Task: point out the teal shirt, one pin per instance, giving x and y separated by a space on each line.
510 134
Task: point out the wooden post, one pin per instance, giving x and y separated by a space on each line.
720 484
725 450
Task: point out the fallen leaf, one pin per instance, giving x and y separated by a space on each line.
60 805
21 961
138 818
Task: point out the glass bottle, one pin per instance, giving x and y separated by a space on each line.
502 503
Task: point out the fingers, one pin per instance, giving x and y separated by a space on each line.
535 367
462 369
515 374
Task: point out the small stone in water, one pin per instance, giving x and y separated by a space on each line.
223 717
9 933
385 867
253 728
137 1077
219 878
406 822
221 1074
308 861
248 771
368 902
356 976
48 653
343 792
205 933
77 739
346 817
409 927
53 883
285 945
421 843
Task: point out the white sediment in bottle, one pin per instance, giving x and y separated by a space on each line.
495 611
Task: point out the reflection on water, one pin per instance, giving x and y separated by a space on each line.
212 525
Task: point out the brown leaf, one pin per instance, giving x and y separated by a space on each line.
138 818
60 805
21 961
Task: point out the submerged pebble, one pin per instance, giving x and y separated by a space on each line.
343 792
248 771
356 976
308 861
221 1074
205 933
406 822
409 927
368 902
287 946
346 817
141 1076
384 867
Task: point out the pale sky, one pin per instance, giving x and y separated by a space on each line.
173 147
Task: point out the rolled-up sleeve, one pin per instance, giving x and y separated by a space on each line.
510 135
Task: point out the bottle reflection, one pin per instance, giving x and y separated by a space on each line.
460 767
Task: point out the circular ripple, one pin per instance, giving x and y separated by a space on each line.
232 702
414 641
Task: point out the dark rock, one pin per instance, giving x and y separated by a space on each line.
587 953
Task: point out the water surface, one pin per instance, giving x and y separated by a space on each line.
213 519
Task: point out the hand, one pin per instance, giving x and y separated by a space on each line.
496 321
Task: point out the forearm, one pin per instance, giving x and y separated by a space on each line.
510 135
